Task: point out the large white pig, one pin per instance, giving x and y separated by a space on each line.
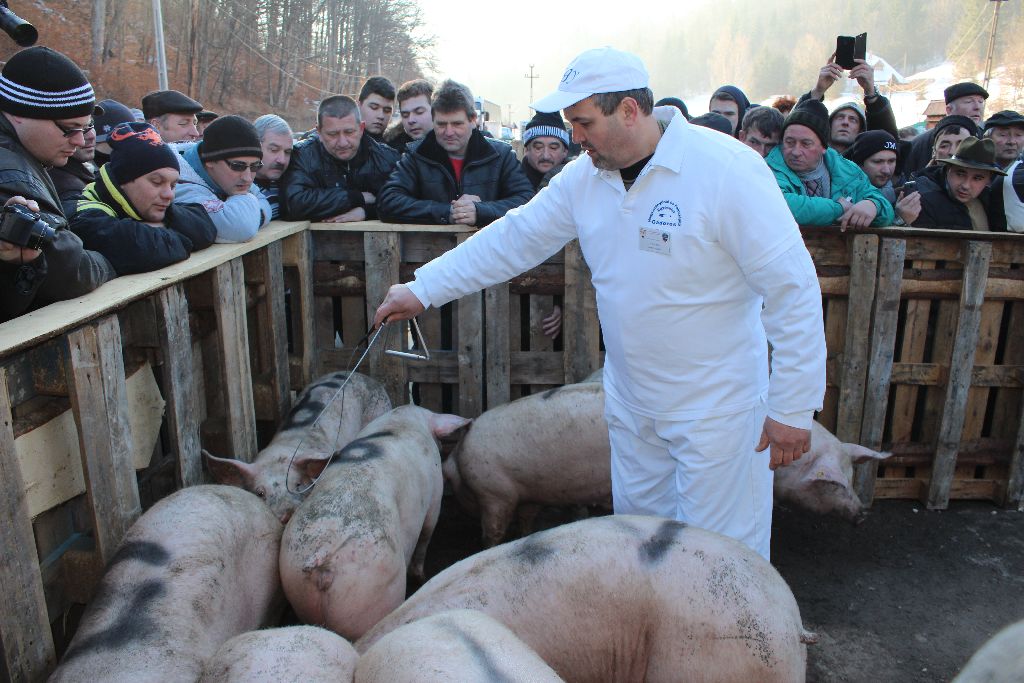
197 569
346 550
822 480
1000 660
294 654
628 598
459 646
545 449
362 401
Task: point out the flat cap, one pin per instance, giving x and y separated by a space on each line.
160 102
1006 117
958 90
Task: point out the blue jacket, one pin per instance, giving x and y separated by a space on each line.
847 181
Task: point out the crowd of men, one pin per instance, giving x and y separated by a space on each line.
121 191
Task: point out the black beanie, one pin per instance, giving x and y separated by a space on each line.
137 149
674 102
714 122
113 113
870 143
40 83
811 113
230 136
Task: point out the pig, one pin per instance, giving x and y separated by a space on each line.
1000 660
458 646
545 449
295 654
822 480
627 598
345 552
197 569
362 401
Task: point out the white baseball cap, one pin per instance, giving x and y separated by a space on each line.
600 70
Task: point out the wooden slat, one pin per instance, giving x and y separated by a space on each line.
496 308
179 384
912 347
951 427
943 332
470 347
984 354
580 325
298 252
540 308
382 261
883 345
353 321
863 268
276 336
233 348
28 652
835 336
100 404
1014 497
430 326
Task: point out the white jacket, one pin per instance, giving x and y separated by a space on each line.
682 264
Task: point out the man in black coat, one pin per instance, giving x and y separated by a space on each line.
129 214
955 193
962 99
455 174
335 174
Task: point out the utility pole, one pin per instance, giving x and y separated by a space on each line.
532 79
992 42
161 57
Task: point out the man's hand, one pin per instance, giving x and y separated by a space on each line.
865 75
859 215
787 443
369 198
552 324
464 209
12 253
399 304
909 207
350 216
828 75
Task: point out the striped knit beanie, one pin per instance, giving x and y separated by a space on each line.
546 124
40 83
229 137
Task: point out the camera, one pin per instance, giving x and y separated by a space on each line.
908 187
24 228
20 31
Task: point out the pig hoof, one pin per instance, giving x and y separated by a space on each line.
808 638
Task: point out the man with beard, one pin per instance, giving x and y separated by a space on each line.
694 257
877 153
277 142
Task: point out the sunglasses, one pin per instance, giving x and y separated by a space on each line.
72 132
239 166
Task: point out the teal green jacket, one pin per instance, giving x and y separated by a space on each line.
847 181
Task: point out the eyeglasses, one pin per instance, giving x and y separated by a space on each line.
239 166
72 132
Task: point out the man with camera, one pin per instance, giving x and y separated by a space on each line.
47 105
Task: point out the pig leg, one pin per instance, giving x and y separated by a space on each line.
419 555
495 516
527 516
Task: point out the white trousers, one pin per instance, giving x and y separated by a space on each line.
701 472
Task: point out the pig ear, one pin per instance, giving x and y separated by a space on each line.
310 468
861 454
228 471
825 469
442 424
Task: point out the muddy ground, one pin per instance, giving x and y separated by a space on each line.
907 596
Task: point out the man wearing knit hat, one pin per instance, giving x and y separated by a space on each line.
962 99
173 114
877 153
546 145
113 114
697 263
129 214
47 106
218 172
730 102
820 186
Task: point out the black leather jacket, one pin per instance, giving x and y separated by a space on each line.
318 186
423 185
941 210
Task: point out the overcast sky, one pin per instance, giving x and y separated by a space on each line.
490 47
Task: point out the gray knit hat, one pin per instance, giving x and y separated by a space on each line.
40 83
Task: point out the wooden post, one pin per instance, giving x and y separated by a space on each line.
863 269
883 346
99 400
233 345
298 252
28 653
275 332
383 259
961 367
1015 486
470 349
581 328
180 389
498 354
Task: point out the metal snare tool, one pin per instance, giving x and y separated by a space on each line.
415 327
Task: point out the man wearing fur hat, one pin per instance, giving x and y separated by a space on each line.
820 186
955 193
218 172
129 214
47 105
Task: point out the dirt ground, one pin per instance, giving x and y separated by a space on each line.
907 596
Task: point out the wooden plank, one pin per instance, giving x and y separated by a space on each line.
912 347
883 347
835 336
863 269
377 226
430 392
540 307
496 316
233 349
961 363
272 310
100 404
382 262
470 347
984 354
943 333
1014 497
298 252
580 325
353 320
25 638
179 383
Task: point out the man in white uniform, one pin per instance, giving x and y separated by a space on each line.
695 256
